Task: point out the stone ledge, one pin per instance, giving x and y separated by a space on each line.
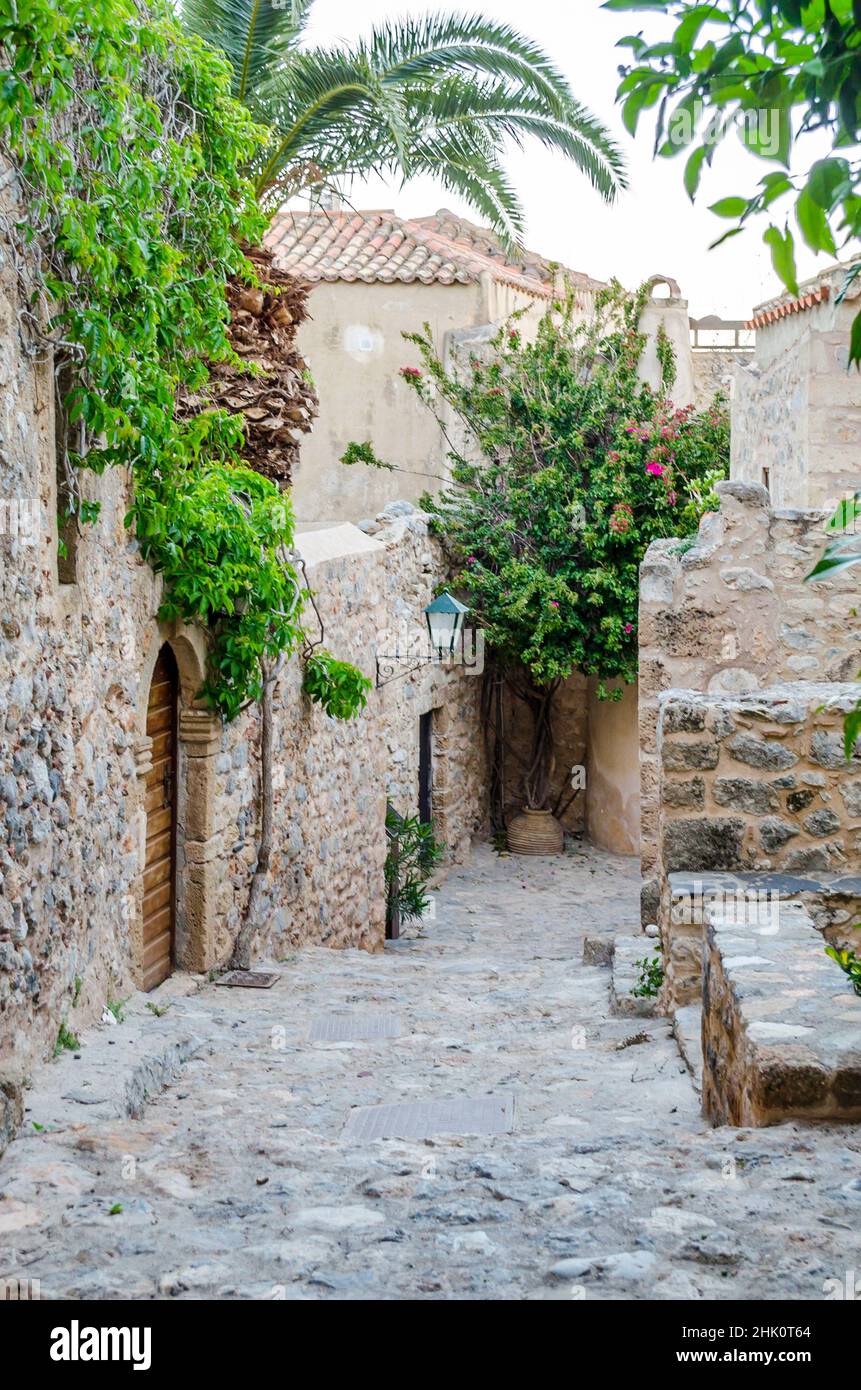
118 1067
781 1025
830 899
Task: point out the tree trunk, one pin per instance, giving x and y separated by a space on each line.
541 764
252 922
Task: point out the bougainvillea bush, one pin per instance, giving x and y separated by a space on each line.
569 468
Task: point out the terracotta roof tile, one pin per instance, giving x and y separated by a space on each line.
782 308
379 246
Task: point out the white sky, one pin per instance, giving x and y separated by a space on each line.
653 228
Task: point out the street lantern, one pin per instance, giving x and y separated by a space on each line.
444 618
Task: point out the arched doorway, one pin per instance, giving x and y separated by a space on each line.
159 900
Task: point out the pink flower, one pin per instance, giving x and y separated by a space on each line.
629 627
656 469
614 456
411 374
553 603
672 498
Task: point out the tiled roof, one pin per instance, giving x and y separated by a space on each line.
379 246
818 290
782 308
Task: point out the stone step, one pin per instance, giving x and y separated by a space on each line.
628 953
119 1066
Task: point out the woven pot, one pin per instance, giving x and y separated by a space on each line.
535 832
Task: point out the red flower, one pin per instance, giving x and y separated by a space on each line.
411 374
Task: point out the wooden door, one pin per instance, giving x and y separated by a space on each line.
159 904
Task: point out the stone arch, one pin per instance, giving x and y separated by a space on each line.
189 647
671 284
198 839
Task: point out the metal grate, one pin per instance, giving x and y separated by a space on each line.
355 1027
422 1118
249 979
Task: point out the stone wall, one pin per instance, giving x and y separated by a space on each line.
751 784
797 409
76 660
717 370
730 614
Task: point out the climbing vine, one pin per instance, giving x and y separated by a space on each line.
133 209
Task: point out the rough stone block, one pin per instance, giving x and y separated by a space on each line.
678 757
597 950
690 793
703 844
628 953
764 753
742 794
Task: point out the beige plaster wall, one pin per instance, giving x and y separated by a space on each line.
613 771
669 312
354 347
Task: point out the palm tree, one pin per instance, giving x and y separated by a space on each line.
437 95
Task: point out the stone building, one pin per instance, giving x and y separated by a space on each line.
128 812
796 421
376 276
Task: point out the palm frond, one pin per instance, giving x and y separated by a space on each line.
419 50
440 94
510 111
256 35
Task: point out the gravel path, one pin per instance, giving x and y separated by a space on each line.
240 1182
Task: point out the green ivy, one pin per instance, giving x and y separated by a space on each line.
130 151
338 687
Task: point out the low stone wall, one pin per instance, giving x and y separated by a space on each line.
729 614
781 1025
750 783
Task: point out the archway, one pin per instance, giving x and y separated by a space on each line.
190 814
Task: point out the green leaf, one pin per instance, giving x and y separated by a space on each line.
782 247
813 224
829 181
729 207
693 171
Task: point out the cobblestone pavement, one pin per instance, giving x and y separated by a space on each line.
239 1183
